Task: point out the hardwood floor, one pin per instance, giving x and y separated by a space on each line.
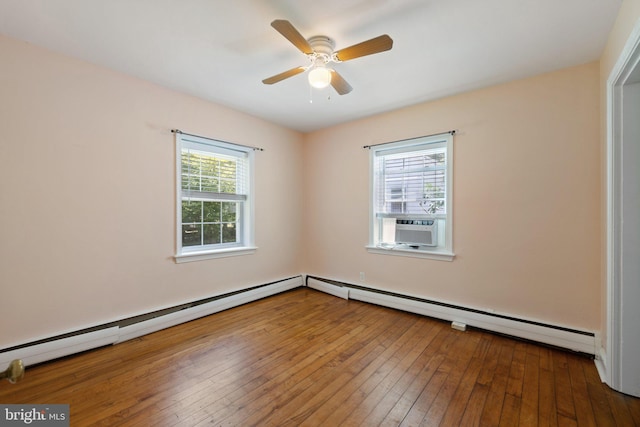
304 358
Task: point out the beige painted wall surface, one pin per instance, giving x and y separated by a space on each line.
87 197
526 200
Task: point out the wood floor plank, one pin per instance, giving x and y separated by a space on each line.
392 410
633 404
351 394
277 382
564 421
362 350
516 371
495 399
584 409
460 401
419 403
547 409
460 362
530 393
512 404
473 411
307 358
381 399
562 382
355 362
377 403
352 410
429 365
510 415
296 349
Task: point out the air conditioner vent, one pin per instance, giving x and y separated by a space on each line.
417 232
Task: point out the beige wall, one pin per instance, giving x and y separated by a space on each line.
87 196
526 200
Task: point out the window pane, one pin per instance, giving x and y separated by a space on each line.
227 169
228 233
414 182
191 235
211 211
209 184
211 234
190 182
190 171
208 165
228 212
227 186
191 211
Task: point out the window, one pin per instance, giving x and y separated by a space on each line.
214 197
411 183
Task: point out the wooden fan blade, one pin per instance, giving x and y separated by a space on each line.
279 77
339 84
290 33
369 47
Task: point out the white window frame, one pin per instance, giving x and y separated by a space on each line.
444 250
246 215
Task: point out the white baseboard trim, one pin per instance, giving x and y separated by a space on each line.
70 343
601 364
555 335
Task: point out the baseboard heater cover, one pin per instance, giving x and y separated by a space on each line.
558 336
162 322
329 288
61 347
120 331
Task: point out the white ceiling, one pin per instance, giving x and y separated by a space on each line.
220 50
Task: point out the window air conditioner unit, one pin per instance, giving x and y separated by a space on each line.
417 232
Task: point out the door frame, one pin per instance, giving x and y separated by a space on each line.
627 62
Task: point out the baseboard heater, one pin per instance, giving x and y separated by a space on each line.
558 336
122 330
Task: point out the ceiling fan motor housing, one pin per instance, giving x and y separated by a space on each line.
322 46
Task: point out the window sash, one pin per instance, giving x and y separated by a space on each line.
399 191
212 172
411 182
214 177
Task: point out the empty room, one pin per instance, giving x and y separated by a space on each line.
279 212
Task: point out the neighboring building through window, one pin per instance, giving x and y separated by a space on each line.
411 197
214 197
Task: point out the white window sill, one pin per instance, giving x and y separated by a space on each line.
437 254
218 253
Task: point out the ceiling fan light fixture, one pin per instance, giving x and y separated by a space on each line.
319 77
320 51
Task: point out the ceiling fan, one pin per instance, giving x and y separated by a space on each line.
319 51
